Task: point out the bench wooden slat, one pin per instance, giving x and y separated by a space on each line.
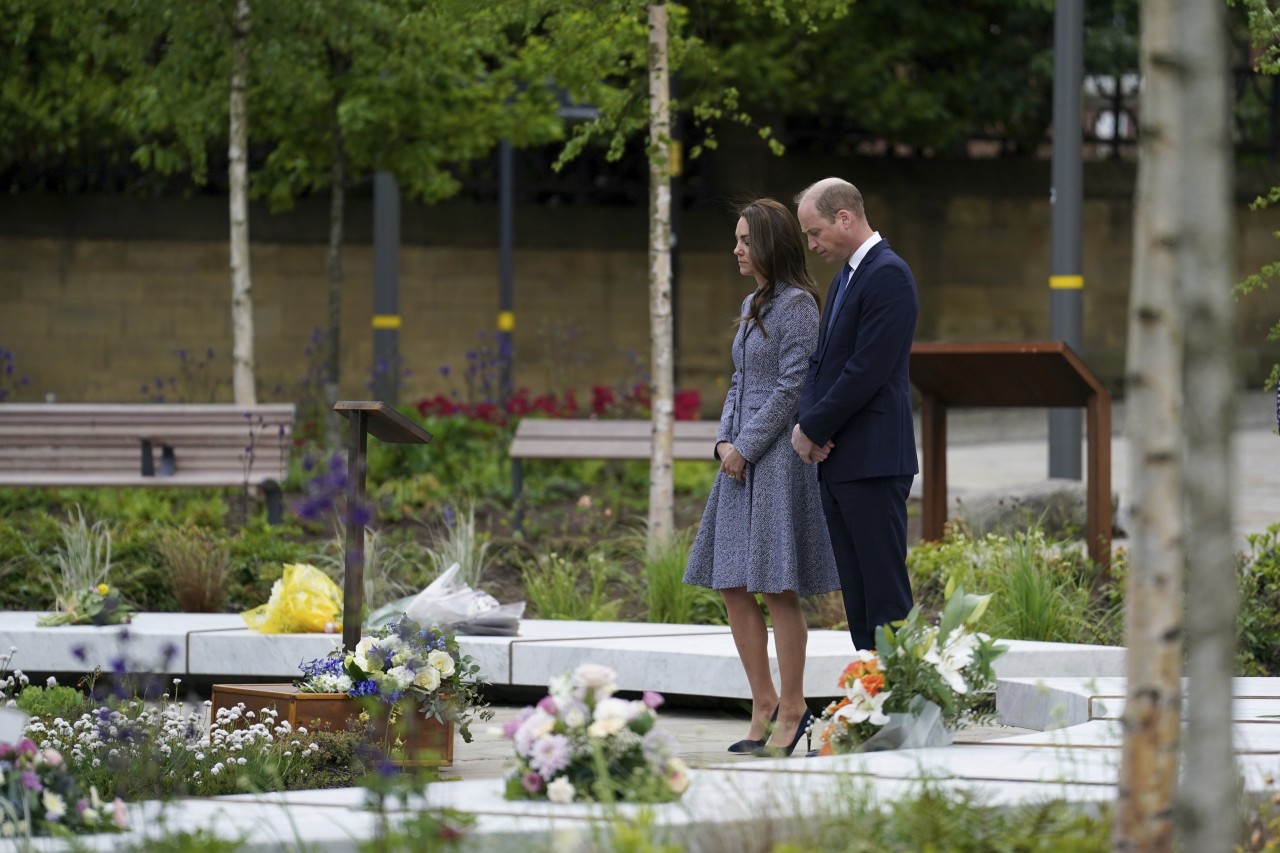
97 478
587 439
90 444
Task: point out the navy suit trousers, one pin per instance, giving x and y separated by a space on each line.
867 520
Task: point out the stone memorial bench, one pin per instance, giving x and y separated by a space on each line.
147 444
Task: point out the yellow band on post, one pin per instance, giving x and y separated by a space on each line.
1066 282
386 321
506 321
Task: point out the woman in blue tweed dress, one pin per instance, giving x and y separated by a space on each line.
763 530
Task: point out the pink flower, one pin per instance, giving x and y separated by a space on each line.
53 758
510 727
26 747
118 816
532 782
652 700
548 706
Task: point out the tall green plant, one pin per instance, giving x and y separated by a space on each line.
386 567
199 564
1258 576
668 597
459 541
560 587
1036 603
1043 590
82 560
1264 29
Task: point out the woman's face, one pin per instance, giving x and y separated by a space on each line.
742 249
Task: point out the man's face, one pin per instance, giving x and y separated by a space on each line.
832 241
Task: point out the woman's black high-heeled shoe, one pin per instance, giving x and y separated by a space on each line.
766 751
744 746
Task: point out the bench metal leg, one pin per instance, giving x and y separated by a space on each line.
517 490
274 497
168 461
148 463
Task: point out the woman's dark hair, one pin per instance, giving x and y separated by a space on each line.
777 253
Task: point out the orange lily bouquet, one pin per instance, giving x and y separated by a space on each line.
921 682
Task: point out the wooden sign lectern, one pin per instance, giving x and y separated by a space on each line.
1012 374
385 424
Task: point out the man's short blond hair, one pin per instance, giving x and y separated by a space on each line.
831 195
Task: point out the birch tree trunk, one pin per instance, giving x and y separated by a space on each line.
333 357
242 360
661 482
1149 762
1208 812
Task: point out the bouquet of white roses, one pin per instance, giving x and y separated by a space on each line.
404 661
582 744
921 681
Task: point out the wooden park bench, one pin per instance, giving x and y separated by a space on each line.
147 444
578 438
539 438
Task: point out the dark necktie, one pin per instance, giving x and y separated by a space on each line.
845 272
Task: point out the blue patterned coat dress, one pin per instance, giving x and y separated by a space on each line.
767 533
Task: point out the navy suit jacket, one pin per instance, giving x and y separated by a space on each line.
858 392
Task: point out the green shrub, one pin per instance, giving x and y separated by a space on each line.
668 597
199 566
53 702
1258 630
933 817
1042 590
81 560
458 541
695 478
559 587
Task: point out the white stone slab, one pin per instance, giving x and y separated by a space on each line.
494 654
1093 734
1052 703
151 642
976 762
248 653
702 664
264 826
1242 710
1034 659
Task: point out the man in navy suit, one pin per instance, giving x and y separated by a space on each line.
855 410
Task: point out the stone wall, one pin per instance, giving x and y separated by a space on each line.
97 293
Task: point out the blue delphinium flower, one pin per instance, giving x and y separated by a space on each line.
369 687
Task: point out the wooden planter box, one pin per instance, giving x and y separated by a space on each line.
427 742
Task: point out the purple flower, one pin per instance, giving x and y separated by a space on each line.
548 706
368 687
30 781
652 700
510 726
532 782
656 745
550 755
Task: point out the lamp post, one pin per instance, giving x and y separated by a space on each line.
1066 283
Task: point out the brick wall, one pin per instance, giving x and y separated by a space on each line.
96 293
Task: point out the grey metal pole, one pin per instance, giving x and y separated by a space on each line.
506 263
386 288
1066 283
506 301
